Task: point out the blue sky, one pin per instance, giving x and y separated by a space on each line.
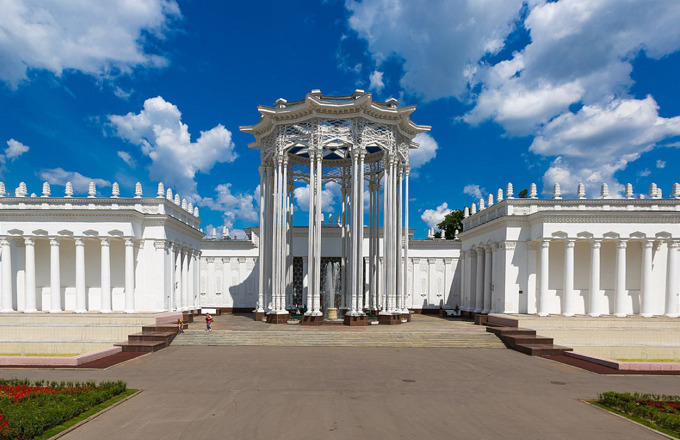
515 91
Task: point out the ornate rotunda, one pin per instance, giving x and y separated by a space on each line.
363 146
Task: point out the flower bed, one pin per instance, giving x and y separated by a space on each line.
29 409
656 410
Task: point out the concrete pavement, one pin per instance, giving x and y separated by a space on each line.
339 393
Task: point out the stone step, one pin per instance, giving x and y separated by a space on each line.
362 339
526 340
142 346
166 337
541 349
511 331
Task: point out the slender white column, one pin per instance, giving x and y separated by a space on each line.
129 275
479 285
191 285
620 280
262 243
488 269
543 274
7 293
386 235
317 240
283 234
394 234
81 294
177 266
407 170
305 281
354 233
463 278
569 278
595 297
105 275
400 240
55 280
276 291
672 294
646 281
360 234
311 235
29 244
371 248
184 272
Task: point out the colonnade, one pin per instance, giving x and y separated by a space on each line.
56 305
487 274
184 276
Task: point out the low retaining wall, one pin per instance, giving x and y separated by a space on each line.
627 366
61 361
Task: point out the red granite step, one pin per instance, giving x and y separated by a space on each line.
541 349
511 331
524 340
166 337
142 346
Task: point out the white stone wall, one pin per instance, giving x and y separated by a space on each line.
229 269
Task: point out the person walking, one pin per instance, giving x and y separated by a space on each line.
208 322
180 327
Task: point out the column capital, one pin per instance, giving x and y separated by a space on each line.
5 241
54 241
29 240
595 243
80 241
621 244
479 250
673 243
647 242
129 241
105 241
545 242
161 244
569 242
407 169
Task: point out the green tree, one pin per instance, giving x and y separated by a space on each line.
523 194
452 222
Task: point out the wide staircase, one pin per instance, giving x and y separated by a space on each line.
159 335
329 338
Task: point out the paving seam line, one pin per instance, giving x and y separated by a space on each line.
93 416
663 434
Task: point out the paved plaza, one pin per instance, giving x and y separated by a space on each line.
350 392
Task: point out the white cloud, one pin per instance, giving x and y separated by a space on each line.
233 206
59 176
593 144
14 149
162 136
132 163
437 42
427 150
473 191
644 173
376 79
97 38
122 94
329 192
432 217
660 164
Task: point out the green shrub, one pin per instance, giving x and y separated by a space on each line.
658 409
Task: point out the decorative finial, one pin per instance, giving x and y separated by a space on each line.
190 207
499 195
92 190
138 190
214 233
22 191
604 191
184 204
225 232
481 204
533 194
557 191
581 191
46 190
652 190
168 194
629 191
69 189
508 191
177 200
659 193
466 212
490 200
676 190
196 211
430 233
473 209
161 190
2 189
115 190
